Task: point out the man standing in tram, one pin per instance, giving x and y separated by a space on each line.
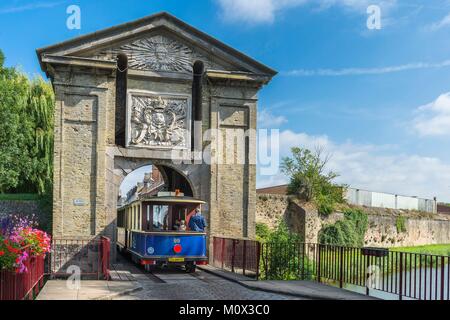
197 223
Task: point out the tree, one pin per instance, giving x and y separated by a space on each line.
41 107
26 132
309 179
14 134
349 232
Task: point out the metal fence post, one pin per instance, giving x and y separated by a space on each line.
443 277
366 276
233 253
214 250
258 258
400 292
319 262
244 258
223 252
341 267
303 273
265 249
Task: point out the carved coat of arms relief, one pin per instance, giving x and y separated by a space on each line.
159 121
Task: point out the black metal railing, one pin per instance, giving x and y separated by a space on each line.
404 274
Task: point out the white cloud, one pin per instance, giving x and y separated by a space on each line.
255 11
264 11
267 120
366 71
433 119
376 168
445 22
31 6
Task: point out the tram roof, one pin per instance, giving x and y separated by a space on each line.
173 200
166 199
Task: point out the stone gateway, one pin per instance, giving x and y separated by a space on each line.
131 95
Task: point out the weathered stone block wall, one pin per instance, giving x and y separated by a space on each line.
421 228
271 208
83 129
419 231
233 184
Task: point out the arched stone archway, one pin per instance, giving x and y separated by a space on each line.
193 176
174 179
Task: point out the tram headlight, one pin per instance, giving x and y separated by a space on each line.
177 248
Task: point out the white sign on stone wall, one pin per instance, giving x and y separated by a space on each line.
158 120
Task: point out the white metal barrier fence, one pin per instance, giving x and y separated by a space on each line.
390 201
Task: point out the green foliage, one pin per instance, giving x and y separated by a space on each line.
19 197
26 133
348 232
262 232
325 204
41 108
281 258
14 134
282 234
310 182
45 203
434 249
400 223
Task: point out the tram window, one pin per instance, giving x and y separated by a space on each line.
120 219
160 216
139 218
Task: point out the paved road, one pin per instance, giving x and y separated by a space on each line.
179 285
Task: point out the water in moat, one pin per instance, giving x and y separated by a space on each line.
423 284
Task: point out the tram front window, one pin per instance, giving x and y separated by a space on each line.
160 217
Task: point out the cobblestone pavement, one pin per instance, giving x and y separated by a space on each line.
175 284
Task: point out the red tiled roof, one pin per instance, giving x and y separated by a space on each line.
443 208
274 190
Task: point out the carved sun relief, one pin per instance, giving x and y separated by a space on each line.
157 53
159 121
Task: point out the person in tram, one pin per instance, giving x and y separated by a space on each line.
177 225
182 226
197 223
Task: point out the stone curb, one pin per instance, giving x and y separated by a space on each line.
246 284
119 294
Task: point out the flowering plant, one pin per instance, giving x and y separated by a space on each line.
19 240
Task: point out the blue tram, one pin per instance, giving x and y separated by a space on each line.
155 232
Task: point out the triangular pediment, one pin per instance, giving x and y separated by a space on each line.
160 51
160 43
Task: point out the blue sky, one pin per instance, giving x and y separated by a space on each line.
377 100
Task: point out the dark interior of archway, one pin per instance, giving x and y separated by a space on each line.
121 98
175 181
198 70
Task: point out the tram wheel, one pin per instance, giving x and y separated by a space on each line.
191 268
